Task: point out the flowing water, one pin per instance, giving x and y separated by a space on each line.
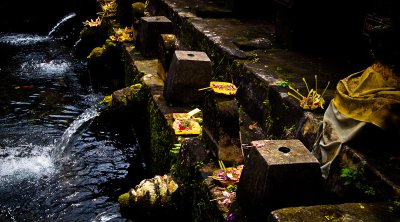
66 18
59 161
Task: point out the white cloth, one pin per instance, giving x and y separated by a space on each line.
336 130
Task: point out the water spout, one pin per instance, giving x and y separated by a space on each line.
83 121
62 21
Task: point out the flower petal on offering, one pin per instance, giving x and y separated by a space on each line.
227 176
180 115
185 126
225 88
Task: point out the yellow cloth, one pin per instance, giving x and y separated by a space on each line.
372 95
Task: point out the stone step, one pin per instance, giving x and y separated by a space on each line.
266 111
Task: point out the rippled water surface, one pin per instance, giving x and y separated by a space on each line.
59 161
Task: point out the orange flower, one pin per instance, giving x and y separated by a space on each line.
92 23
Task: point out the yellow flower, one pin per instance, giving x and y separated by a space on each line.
122 35
108 7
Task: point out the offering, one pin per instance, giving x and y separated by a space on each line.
225 88
184 124
313 100
227 176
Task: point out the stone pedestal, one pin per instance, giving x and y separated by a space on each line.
189 71
277 174
150 29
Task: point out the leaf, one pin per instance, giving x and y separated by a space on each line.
282 83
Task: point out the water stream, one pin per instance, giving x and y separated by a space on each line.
57 26
59 161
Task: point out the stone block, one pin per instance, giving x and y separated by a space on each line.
189 71
278 173
150 29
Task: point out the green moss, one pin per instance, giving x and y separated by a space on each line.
203 208
102 51
107 101
267 104
269 122
133 75
110 44
138 9
161 139
97 52
92 32
284 73
240 110
124 101
138 92
355 177
123 200
129 76
289 130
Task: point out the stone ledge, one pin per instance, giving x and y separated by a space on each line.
366 212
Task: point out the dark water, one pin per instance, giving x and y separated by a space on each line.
59 161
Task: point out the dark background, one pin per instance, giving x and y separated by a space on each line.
39 16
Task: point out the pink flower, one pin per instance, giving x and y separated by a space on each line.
226 201
226 194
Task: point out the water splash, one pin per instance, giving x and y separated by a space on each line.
108 215
43 68
66 18
22 39
25 161
53 66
